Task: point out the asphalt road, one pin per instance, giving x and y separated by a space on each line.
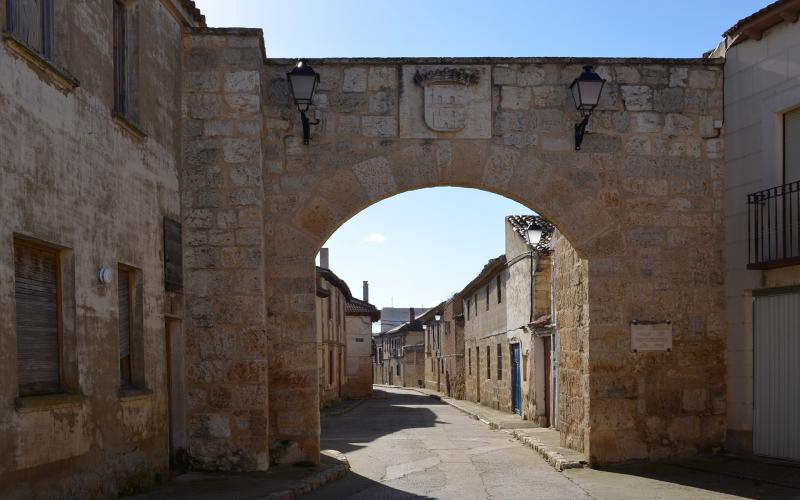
403 444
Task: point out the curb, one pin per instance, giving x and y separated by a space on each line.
552 457
558 461
318 480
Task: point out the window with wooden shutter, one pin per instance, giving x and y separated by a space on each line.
37 297
125 286
30 22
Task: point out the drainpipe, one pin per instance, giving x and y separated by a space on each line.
533 286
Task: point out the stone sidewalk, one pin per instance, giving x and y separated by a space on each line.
279 483
545 441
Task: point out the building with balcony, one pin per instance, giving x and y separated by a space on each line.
762 230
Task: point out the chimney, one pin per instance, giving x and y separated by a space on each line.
323 258
411 315
366 291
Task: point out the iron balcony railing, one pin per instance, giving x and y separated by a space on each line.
773 225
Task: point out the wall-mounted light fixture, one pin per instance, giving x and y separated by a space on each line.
303 83
104 275
586 94
437 316
534 234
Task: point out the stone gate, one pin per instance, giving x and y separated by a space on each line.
641 206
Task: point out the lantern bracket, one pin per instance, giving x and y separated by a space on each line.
307 126
580 130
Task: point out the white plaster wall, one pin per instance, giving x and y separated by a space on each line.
762 80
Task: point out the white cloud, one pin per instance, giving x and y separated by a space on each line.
375 238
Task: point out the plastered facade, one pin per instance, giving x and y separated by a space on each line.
762 82
73 178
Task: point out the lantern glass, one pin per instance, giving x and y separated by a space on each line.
303 83
438 317
586 90
534 234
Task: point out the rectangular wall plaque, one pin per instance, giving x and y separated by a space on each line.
651 336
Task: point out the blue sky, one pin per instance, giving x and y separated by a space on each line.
418 248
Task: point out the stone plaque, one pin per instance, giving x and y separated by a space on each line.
446 101
651 336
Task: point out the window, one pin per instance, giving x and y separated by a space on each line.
791 146
499 289
31 23
469 306
398 370
487 297
330 367
330 308
441 365
37 290
130 321
126 281
173 256
125 57
469 361
499 362
488 362
476 305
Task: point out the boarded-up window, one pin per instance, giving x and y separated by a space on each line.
37 294
126 283
791 146
31 23
173 256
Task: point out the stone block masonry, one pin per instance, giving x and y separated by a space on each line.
222 202
639 204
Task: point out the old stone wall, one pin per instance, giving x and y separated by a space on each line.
222 200
572 327
640 203
73 178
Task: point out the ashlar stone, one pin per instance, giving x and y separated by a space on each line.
637 97
241 81
355 80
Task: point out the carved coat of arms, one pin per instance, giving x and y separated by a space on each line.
445 97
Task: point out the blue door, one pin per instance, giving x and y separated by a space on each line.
516 383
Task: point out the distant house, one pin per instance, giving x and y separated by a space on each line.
392 317
507 333
444 347
360 315
399 354
344 331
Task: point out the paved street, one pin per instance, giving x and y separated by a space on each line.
402 444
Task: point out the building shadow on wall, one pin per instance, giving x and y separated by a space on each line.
749 477
377 417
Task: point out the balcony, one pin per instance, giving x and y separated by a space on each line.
773 226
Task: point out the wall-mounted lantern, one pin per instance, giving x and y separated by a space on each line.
534 234
437 316
303 83
586 94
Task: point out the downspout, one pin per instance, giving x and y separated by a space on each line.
533 287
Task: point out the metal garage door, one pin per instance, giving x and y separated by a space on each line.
776 374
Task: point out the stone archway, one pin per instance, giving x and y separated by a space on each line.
640 204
